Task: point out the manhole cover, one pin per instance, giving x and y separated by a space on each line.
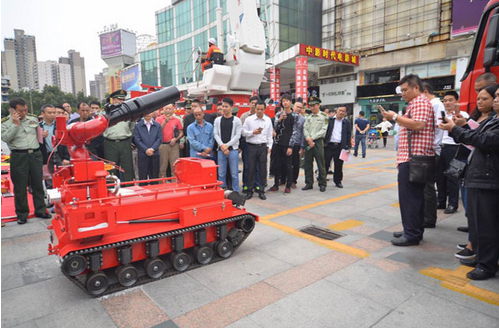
321 232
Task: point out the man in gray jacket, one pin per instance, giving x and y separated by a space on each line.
227 132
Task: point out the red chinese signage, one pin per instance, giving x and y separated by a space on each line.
326 54
301 78
275 83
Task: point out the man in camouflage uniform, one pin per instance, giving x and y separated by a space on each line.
314 130
19 131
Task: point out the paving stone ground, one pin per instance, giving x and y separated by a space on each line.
279 277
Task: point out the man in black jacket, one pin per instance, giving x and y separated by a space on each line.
60 155
338 137
482 183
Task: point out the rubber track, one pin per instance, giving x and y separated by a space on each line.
168 273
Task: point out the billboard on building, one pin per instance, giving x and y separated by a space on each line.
110 44
466 15
130 78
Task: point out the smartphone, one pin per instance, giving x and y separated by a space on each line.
443 117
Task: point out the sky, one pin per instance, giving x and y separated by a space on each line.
63 25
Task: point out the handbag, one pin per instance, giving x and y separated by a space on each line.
421 168
457 165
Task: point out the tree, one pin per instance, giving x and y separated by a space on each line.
50 95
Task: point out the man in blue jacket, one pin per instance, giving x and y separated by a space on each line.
148 138
200 136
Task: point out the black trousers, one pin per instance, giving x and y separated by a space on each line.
282 164
412 204
447 187
483 210
296 162
332 152
26 169
430 203
385 136
257 157
148 167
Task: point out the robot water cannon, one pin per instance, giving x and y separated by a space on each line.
77 134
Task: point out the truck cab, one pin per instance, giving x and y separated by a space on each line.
484 56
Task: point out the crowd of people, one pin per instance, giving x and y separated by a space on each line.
427 127
442 133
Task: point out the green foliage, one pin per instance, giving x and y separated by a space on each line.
50 95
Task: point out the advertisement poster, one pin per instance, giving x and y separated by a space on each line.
114 78
130 78
110 44
466 15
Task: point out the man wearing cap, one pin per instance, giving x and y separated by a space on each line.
118 140
19 131
212 44
314 131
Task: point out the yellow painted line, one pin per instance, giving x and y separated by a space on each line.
331 244
457 281
324 202
373 169
397 205
372 162
345 225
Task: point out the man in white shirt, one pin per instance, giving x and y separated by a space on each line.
430 194
258 130
338 138
448 188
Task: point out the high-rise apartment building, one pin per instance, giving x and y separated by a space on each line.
98 86
77 72
47 73
19 61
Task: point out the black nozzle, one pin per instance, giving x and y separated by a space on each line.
134 109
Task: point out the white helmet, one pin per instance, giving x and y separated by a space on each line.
212 41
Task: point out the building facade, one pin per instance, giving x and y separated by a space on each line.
5 88
47 73
188 24
395 38
98 86
19 61
77 63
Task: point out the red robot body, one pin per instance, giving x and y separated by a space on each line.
112 235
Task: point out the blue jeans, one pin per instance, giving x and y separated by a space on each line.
233 159
362 139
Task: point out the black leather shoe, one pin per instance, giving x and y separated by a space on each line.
463 229
479 274
21 221
44 216
307 188
398 234
322 188
339 185
249 195
429 225
262 196
469 262
451 209
402 241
